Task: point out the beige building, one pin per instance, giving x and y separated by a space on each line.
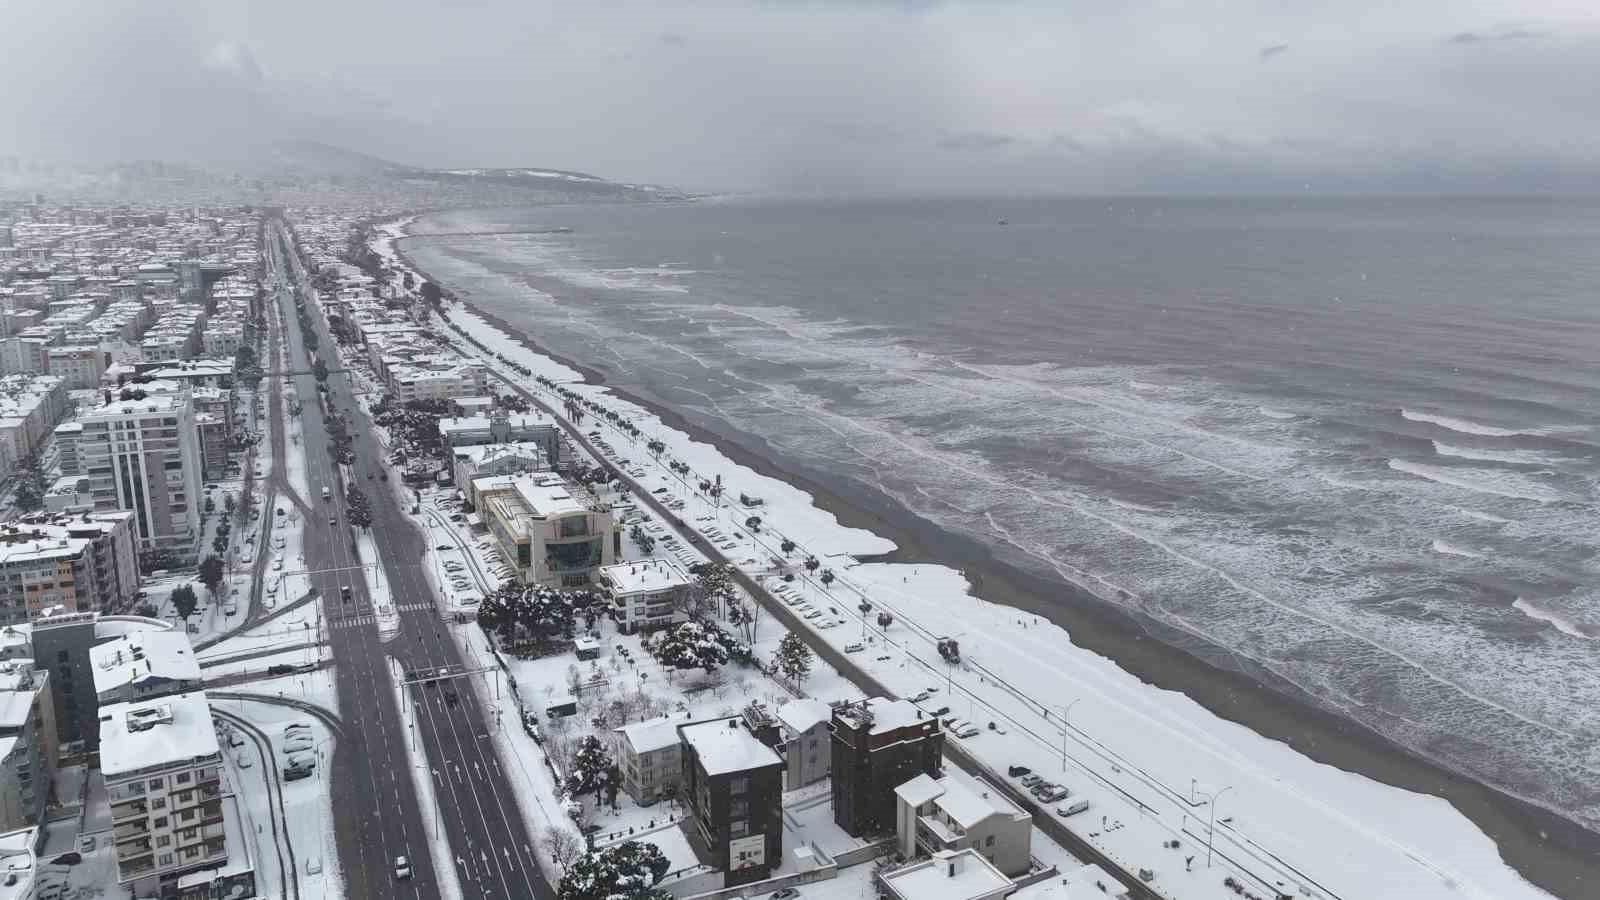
144 456
647 755
76 562
647 594
28 748
162 769
551 531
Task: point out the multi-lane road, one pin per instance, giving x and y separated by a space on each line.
377 813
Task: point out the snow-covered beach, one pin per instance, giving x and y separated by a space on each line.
1349 834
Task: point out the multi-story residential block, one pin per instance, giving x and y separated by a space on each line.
806 741
30 407
143 455
62 643
143 665
484 460
77 563
733 785
878 744
648 594
78 367
503 428
551 531
648 756
22 355
28 749
162 770
67 434
934 815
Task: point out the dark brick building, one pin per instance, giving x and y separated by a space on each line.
878 745
733 786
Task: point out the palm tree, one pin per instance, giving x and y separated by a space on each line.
827 577
787 546
811 564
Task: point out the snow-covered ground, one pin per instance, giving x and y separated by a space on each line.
1284 812
383 609
422 778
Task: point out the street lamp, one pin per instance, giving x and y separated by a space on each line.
1066 713
1212 827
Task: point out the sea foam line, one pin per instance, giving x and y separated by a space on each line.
1464 426
1561 623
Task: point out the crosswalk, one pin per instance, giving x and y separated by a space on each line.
352 622
416 607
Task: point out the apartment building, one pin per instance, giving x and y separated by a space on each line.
733 786
503 428
435 380
648 594
484 460
77 563
28 749
553 533
30 407
143 455
648 756
878 744
955 812
806 741
62 642
162 769
78 366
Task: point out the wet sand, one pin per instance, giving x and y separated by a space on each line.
1550 851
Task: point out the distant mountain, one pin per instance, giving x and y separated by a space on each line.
317 158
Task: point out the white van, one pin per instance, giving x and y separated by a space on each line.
1071 809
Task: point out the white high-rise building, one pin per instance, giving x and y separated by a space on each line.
143 455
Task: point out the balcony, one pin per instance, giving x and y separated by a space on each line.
933 835
129 809
133 829
128 869
132 849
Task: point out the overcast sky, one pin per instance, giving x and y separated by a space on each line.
838 95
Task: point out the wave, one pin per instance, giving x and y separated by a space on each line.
1482 481
1515 457
1271 413
1465 427
1452 550
1562 623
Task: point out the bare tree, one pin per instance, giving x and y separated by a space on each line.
563 846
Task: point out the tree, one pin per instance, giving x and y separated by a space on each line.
592 766
696 645
811 564
629 870
793 658
211 574
827 577
359 511
713 589
787 546
753 523
228 505
184 602
148 610
563 846
430 293
319 370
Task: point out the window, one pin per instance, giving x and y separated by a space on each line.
166 859
183 778
989 841
186 815
160 822
738 828
739 785
155 784
191 852
184 796
163 840
160 803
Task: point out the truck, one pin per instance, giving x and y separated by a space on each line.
326 493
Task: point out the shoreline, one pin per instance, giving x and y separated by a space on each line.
1546 849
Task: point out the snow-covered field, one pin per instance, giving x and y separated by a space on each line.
1346 833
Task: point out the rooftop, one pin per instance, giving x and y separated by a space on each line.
648 575
150 733
651 734
725 746
948 876
151 404
18 865
882 713
143 656
548 495
803 714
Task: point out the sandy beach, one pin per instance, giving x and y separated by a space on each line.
1546 849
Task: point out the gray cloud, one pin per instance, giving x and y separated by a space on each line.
878 95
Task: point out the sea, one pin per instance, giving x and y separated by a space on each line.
1351 442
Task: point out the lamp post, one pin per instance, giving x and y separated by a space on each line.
1066 713
1212 827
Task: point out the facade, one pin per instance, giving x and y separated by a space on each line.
144 456
28 750
503 428
435 381
485 460
733 787
806 748
647 594
163 775
934 815
649 757
79 366
878 744
30 408
552 532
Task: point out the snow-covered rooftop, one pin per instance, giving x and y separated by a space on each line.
149 733
948 876
651 734
645 576
548 495
18 864
886 714
725 746
143 655
803 714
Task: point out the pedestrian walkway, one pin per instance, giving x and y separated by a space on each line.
416 607
352 621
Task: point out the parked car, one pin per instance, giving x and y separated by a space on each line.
294 774
280 669
1018 771
1056 793
1073 808
1031 781
785 894
853 648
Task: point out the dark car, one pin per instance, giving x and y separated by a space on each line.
1018 771
280 669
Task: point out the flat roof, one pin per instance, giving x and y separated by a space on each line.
179 729
973 876
143 656
803 714
725 746
548 495
647 575
16 704
652 734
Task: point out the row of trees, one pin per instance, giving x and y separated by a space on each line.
357 508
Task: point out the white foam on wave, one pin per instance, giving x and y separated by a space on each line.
1448 549
1515 457
1562 623
1464 426
1271 413
1482 481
